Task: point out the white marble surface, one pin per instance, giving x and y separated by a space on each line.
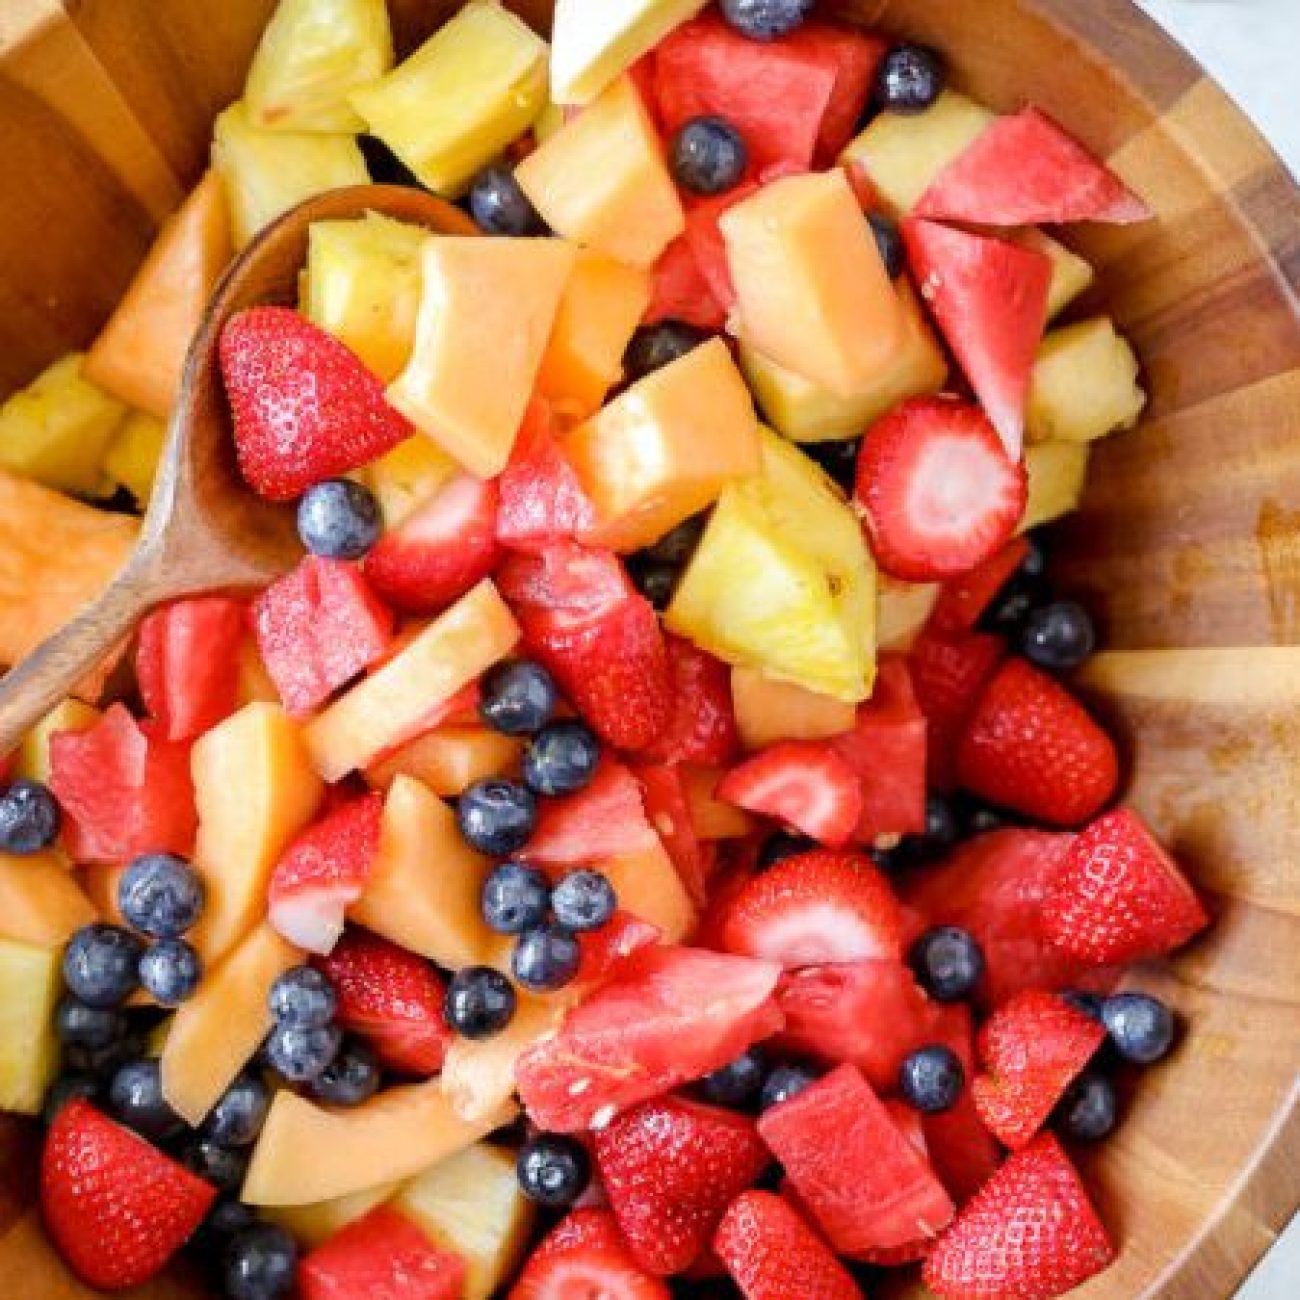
1250 46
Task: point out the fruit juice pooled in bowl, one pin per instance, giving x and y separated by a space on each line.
649 845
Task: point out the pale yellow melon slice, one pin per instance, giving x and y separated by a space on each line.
41 902
312 1225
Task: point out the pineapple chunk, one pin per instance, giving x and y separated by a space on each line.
313 1225
363 286
461 98
1071 274
901 153
549 121
133 457
58 429
30 984
313 54
471 1204
1057 473
903 610
34 751
1084 384
408 476
268 172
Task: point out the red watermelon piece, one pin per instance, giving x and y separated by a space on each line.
857 55
704 239
679 290
540 500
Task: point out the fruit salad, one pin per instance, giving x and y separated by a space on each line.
649 845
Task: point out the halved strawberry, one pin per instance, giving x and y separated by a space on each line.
805 784
541 499
323 872
584 1256
703 725
669 814
965 598
937 490
606 820
565 578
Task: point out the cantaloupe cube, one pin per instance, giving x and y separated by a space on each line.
811 291
768 711
470 90
666 448
33 758
649 886
41 901
30 984
1058 472
406 477
903 610
1071 274
449 760
313 1225
711 817
255 684
134 454
1085 384
808 412
602 180
602 305
140 353
99 882
486 311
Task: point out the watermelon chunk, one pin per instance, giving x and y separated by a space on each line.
670 815
606 820
708 248
856 55
679 290
540 498
963 600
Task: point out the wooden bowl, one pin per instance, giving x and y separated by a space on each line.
1188 546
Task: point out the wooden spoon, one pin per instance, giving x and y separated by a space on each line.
205 530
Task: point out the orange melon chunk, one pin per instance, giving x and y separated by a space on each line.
41 903
769 710
712 818
449 760
648 886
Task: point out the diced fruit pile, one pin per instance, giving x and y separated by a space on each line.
636 842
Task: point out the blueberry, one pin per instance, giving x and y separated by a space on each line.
301 1053
500 207
303 997
160 895
1034 565
515 898
136 1097
260 1263
948 963
979 819
223 1167
236 1120
518 697
384 166
677 545
1091 1004
942 827
562 758
584 900
339 519
350 1078
784 1082
738 1083
29 818
170 971
80 1025
496 816
889 243
553 1170
765 20
546 959
101 965
910 78
838 458
1012 606
931 1079
655 346
226 1217
1059 636
707 155
480 1002
1141 1027
66 1088
103 1062
781 845
1089 1109
654 579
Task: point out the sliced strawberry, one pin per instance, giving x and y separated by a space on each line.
1030 1232
703 725
669 814
579 582
1119 897
1032 747
606 820
304 407
937 490
586 1257
680 292
804 784
541 499
1024 170
965 598
990 300
323 872
670 1169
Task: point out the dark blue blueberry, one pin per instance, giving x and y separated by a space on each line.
1012 606
101 965
553 1170
654 579
500 207
707 155
384 166
236 1120
948 963
765 20
351 1078
160 895
103 1062
1059 637
584 900
889 243
518 697
910 78
546 959
170 971
942 827
677 545
303 997
480 1002
781 845
931 1079
136 1096
784 1082
1141 1027
838 458
29 818
226 1217
515 898
1091 1004
260 1263
655 346
1089 1109
66 1088
738 1083
223 1167
301 1053
1034 565
496 816
339 519
80 1025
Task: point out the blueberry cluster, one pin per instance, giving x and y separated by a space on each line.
753 1082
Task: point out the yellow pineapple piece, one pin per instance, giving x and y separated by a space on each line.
30 984
471 89
406 477
34 751
313 1225
1057 474
1085 384
1071 274
549 121
134 453
902 611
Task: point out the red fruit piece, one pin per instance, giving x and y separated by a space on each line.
704 238
607 951
670 1169
382 1256
965 598
679 290
391 997
304 407
317 628
990 300
606 820
585 1257
703 725
541 499
857 55
816 908
937 490
1032 747
117 1208
124 790
1119 896
187 664
774 1255
442 550
1024 170
805 784
565 578
963 1152
323 872
1031 1233
675 1015
1032 1048
669 814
